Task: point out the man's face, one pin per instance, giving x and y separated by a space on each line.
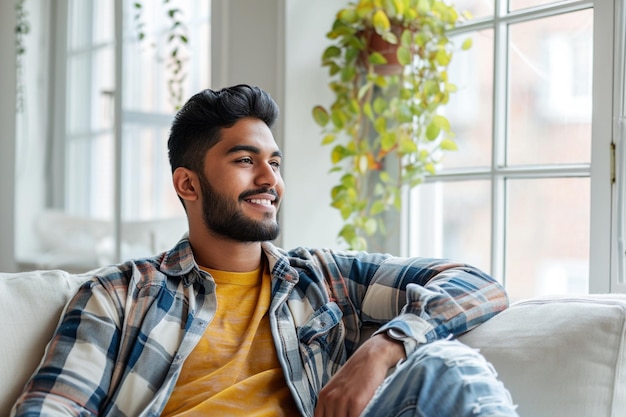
241 199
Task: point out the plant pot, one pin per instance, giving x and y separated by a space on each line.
375 43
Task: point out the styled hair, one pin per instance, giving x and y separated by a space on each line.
197 125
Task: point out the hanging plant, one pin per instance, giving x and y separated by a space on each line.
177 42
22 28
388 64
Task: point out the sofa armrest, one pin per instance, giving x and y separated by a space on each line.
560 356
30 307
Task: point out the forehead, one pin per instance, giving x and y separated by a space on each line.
246 134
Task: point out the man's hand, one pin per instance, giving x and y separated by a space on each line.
351 389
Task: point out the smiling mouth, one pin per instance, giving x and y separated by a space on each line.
260 201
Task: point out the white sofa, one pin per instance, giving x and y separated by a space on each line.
559 356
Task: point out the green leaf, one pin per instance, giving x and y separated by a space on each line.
337 154
348 74
320 115
404 55
399 5
338 118
443 57
381 22
353 105
380 125
348 180
423 7
333 69
370 226
442 122
346 211
363 90
377 58
380 105
432 131
388 141
467 44
407 146
449 145
328 139
347 16
377 208
405 38
351 54
331 52
389 37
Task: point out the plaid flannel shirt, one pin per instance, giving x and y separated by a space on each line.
123 338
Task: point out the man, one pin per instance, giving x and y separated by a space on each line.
226 324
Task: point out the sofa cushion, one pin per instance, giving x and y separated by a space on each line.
30 308
560 356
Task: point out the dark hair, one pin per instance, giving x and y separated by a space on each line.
197 125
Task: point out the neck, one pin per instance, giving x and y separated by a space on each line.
217 252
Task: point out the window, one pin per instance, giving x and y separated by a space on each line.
519 198
110 177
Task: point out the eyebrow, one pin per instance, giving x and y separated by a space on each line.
252 149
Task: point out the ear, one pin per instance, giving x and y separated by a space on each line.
186 184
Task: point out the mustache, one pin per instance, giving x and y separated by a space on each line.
249 193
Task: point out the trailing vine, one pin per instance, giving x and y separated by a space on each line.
177 41
22 28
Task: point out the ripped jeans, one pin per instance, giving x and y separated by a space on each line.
442 379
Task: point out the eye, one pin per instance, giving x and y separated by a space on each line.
275 164
245 160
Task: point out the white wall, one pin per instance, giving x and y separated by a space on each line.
32 128
307 216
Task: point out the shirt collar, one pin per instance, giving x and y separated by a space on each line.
179 261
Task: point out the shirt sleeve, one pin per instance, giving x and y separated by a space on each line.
419 300
77 367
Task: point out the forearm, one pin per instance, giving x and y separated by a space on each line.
351 389
443 299
456 299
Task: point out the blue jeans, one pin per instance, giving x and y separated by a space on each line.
444 378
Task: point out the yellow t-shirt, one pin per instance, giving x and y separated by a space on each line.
234 369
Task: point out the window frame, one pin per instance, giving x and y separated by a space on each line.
607 100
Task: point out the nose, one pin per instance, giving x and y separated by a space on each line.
268 175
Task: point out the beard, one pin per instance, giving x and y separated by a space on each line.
225 218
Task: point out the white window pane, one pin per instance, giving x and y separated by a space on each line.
453 221
470 109
103 22
89 176
550 87
547 239
78 104
80 24
150 194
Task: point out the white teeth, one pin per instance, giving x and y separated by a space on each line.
260 201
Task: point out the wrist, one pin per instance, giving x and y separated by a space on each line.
392 349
